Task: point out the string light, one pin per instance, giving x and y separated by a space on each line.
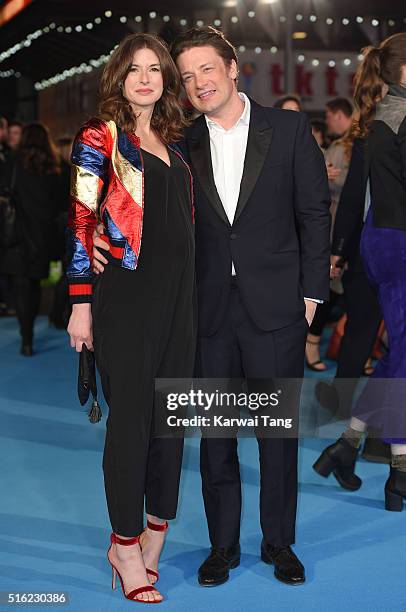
331 63
274 49
375 22
26 42
346 21
4 74
258 50
313 18
166 18
217 22
301 58
360 19
315 62
75 70
251 14
329 21
241 48
152 15
347 61
234 19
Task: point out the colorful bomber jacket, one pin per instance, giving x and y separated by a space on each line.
107 185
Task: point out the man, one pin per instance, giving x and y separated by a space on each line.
338 117
262 250
4 148
15 131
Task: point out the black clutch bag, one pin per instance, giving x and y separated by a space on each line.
87 383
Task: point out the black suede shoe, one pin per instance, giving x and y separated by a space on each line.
215 570
339 458
288 568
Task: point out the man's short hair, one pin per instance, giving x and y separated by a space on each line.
340 104
204 37
16 123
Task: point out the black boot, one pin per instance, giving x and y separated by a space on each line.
395 490
339 458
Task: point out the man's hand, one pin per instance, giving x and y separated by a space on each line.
98 258
310 310
332 172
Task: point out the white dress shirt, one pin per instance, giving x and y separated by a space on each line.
228 149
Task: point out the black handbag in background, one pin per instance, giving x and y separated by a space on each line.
8 215
87 383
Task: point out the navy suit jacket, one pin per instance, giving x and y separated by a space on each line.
280 237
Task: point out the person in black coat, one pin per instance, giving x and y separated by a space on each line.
34 176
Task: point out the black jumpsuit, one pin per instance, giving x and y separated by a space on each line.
144 328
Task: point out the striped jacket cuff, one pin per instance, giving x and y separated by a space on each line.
80 291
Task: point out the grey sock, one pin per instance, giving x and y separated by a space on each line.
399 462
353 437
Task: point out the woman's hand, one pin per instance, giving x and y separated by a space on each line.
80 327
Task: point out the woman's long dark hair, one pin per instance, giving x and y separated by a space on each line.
36 151
167 119
381 66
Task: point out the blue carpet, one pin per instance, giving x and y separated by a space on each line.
54 526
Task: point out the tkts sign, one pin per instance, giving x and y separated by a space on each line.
316 76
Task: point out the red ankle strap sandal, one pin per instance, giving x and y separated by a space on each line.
132 595
155 527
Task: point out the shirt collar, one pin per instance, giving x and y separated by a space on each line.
243 120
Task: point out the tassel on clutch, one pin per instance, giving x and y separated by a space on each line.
87 383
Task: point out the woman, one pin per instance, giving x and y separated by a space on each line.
34 179
382 120
337 158
127 171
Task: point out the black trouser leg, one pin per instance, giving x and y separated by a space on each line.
161 495
218 356
363 319
322 314
27 295
268 355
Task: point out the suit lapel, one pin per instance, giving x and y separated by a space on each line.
259 140
199 151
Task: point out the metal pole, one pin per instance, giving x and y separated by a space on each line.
289 9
